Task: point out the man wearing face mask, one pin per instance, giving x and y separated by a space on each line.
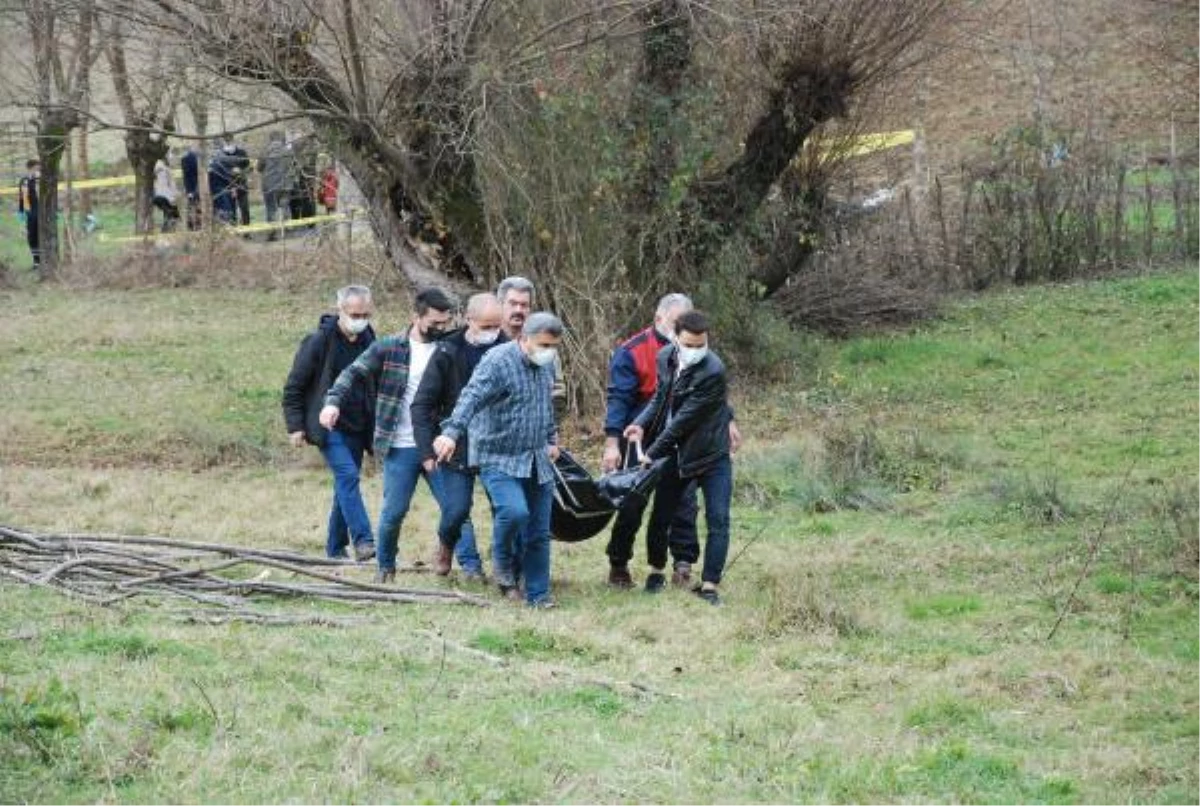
322 356
395 365
691 403
449 370
631 382
507 410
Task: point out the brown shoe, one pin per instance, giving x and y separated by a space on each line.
681 577
512 594
442 556
619 578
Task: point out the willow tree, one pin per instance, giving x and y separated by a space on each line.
607 149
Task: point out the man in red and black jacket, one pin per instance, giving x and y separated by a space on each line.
632 375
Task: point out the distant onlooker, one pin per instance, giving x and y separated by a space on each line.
327 191
190 163
274 166
303 176
238 162
27 209
165 194
220 182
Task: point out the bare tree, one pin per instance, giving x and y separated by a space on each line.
149 112
60 36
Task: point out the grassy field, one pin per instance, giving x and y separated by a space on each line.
910 523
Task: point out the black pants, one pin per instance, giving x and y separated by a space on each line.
31 237
683 540
170 212
241 200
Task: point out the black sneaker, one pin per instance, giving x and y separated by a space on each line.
655 583
364 552
709 595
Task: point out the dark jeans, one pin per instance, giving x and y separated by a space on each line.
31 237
682 538
717 485
194 217
454 490
276 202
348 519
520 531
241 200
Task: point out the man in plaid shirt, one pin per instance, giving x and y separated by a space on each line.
396 365
506 409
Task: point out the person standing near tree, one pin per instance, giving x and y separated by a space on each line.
395 365
507 411
27 211
450 369
336 343
190 164
165 193
275 167
691 403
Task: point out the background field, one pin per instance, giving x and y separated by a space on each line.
912 513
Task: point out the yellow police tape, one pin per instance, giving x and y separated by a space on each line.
265 226
87 184
856 146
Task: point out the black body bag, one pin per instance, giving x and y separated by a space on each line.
579 511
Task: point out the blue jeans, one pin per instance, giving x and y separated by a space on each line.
716 483
401 469
455 490
348 519
520 531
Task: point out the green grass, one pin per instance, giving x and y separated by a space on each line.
910 522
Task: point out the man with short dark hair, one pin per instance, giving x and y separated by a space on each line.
396 364
27 210
507 411
691 404
338 341
450 369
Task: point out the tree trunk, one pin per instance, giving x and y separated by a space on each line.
54 126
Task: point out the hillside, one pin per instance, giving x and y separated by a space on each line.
963 569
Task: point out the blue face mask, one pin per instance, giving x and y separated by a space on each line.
691 355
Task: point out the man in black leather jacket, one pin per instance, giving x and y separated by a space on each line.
690 412
320 358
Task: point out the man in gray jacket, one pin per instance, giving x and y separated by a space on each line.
275 167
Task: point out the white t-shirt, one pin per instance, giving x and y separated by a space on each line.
418 360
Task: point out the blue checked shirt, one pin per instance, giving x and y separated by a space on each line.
507 411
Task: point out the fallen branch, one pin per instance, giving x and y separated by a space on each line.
105 569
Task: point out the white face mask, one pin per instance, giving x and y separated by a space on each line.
691 355
355 326
543 356
486 336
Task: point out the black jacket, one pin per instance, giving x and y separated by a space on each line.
690 413
311 377
442 383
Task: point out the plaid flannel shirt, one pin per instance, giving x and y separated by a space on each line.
387 360
506 408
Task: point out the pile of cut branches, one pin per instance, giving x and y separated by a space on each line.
106 569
